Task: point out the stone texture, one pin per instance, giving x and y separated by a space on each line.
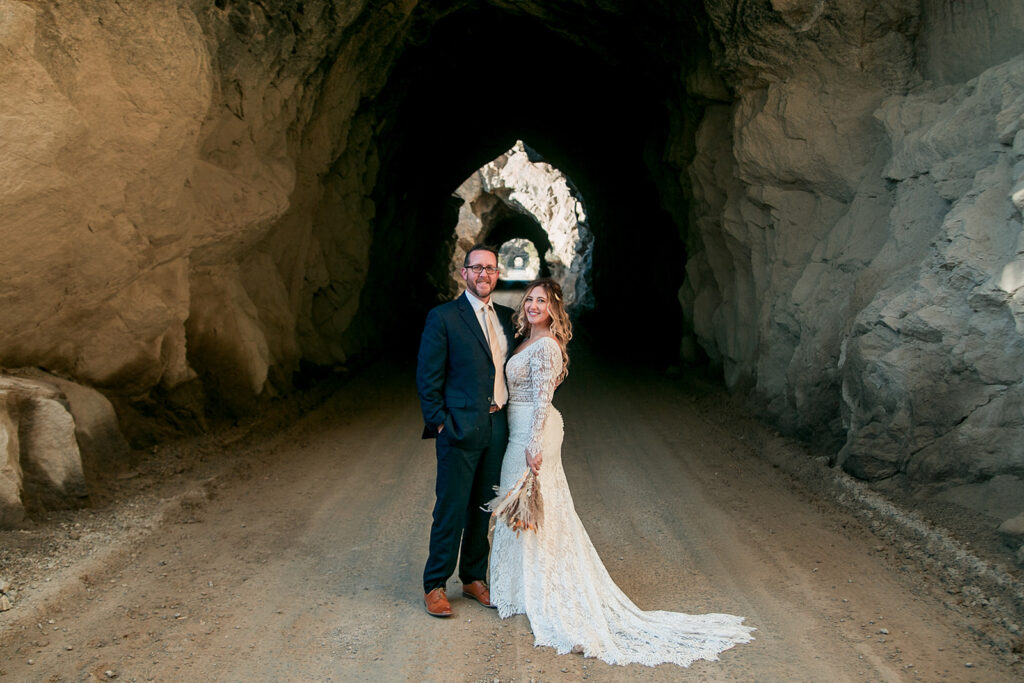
47 471
160 150
856 245
225 334
52 432
100 442
1012 530
51 461
934 370
961 38
94 190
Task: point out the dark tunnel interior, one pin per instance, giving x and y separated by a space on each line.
594 106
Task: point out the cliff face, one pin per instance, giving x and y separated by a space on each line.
207 195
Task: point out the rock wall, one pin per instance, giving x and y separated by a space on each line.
856 246
933 370
95 190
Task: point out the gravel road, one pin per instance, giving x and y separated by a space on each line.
291 549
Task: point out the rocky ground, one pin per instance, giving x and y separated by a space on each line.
290 548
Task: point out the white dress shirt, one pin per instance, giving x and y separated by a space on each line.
478 309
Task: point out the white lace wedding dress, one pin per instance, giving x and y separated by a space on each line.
555 576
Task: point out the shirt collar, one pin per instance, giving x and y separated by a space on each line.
475 302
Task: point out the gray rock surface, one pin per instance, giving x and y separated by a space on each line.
1012 530
934 366
857 246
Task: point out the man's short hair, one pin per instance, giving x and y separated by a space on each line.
480 247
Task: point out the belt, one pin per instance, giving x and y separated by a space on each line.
495 408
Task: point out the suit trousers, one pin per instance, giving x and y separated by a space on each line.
465 483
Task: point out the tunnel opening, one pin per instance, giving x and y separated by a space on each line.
596 107
519 258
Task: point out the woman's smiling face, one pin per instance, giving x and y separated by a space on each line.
535 306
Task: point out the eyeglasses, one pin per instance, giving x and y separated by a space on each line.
491 270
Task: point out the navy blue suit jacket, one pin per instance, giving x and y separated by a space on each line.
455 372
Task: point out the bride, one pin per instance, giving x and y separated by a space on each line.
554 576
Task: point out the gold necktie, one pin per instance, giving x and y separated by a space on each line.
500 392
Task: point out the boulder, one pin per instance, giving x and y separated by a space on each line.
100 441
1012 530
52 431
49 464
50 460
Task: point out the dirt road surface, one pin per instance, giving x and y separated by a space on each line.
294 553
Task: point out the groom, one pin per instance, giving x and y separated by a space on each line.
460 378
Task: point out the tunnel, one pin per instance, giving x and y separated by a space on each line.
819 205
443 91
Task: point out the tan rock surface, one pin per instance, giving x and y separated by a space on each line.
42 465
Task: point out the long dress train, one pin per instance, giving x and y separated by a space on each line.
555 575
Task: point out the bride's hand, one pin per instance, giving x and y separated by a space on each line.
533 461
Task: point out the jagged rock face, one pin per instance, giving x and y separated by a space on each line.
857 254
215 193
933 374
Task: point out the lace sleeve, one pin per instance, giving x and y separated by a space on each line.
545 364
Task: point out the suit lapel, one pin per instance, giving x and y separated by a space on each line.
469 317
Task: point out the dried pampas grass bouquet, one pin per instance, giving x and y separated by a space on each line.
522 507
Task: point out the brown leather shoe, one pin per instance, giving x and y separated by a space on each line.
437 603
478 591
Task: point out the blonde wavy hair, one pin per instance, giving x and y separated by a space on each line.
561 327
